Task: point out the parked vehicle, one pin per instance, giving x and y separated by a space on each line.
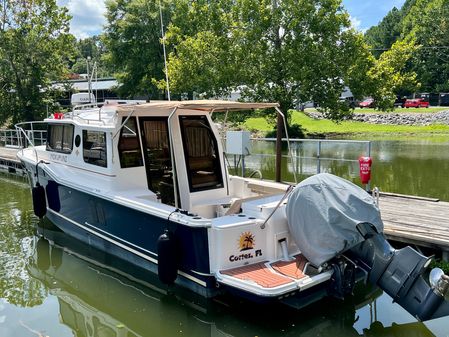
400 102
367 103
416 103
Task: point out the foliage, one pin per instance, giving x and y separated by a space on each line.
389 75
35 46
425 22
283 51
388 31
93 48
443 265
134 51
294 131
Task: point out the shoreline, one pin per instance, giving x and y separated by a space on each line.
396 125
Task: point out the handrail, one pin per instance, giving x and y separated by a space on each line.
21 130
288 143
317 153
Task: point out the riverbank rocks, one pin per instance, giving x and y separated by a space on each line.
394 118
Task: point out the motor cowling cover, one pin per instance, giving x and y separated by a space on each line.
323 212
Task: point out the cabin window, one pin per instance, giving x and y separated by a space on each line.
94 148
201 153
129 146
60 138
157 157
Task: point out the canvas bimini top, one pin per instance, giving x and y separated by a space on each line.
196 105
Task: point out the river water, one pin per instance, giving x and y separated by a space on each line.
415 167
46 290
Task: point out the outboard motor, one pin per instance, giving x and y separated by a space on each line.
330 217
399 274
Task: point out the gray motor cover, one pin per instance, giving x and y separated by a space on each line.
323 212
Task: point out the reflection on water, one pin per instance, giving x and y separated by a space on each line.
16 242
415 167
94 301
49 291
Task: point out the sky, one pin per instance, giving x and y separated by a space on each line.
88 15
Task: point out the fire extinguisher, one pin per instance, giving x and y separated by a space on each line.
365 169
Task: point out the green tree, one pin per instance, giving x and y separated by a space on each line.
389 74
134 51
387 32
35 46
427 23
281 51
424 22
92 47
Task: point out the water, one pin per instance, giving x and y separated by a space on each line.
49 291
415 167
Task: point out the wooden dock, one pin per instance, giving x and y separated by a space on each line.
9 161
412 220
417 221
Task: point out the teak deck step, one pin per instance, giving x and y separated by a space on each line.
258 273
293 269
280 273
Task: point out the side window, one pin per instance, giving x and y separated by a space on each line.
94 148
201 153
60 138
129 145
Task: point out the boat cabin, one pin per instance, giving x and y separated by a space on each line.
165 152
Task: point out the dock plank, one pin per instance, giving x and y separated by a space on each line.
9 153
416 221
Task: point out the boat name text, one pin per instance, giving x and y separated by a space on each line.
234 258
58 157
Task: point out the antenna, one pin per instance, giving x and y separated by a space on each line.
163 47
89 83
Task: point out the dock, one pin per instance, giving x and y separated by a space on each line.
416 221
9 162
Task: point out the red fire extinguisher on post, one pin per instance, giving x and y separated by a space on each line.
365 170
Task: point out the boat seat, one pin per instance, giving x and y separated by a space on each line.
266 189
236 205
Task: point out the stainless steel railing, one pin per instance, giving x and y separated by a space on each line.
310 155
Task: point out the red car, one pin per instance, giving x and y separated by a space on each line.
367 103
416 103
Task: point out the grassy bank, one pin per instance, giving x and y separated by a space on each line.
314 126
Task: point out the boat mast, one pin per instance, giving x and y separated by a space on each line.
89 83
163 47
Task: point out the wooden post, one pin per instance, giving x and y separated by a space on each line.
280 125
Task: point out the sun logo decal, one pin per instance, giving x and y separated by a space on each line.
246 241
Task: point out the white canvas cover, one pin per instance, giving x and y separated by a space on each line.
197 105
323 212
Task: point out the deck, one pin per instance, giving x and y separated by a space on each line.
7 153
9 161
412 220
418 221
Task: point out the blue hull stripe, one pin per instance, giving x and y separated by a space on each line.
124 246
117 239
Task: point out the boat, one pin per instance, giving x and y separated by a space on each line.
148 184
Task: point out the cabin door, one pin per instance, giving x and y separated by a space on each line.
158 165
